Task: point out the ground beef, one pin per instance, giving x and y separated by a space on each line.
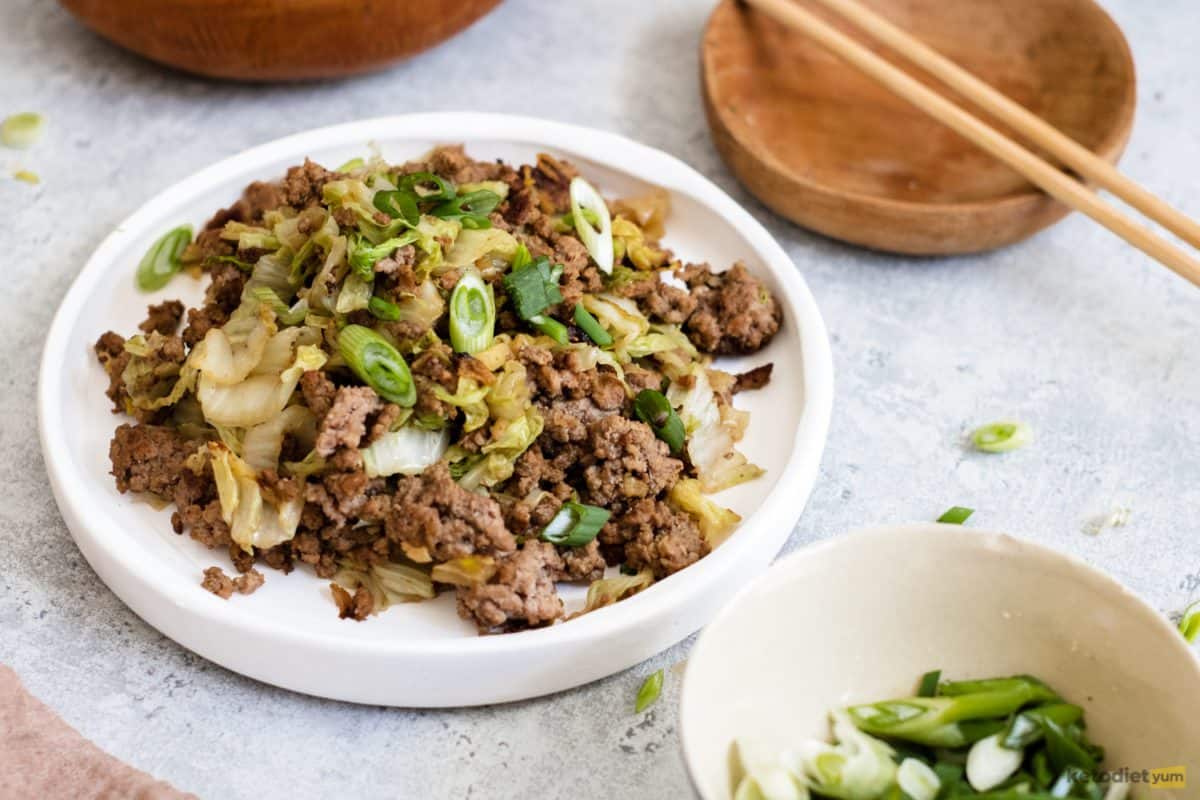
626 462
432 513
163 317
660 301
652 534
450 161
257 199
110 351
346 493
303 184
640 378
434 367
581 564
520 594
217 582
249 582
345 423
149 458
223 295
539 469
318 392
562 374
753 379
357 606
734 311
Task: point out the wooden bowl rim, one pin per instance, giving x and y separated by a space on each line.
1110 147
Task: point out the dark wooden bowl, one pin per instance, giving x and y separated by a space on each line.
833 151
277 39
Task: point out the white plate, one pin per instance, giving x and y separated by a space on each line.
838 623
421 654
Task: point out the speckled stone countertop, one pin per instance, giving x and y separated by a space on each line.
1075 333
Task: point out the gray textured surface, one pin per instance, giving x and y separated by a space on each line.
1073 332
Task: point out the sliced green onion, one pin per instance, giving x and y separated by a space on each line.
567 221
1028 727
1189 626
1000 437
929 683
918 780
22 130
378 364
398 205
551 327
649 692
419 184
471 209
351 165
575 524
161 261
472 314
654 409
383 309
990 764
533 287
591 326
521 258
956 515
596 238
286 316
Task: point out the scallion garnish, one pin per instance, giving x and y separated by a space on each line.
575 524
161 261
533 286
383 309
654 409
591 326
929 683
956 515
426 186
22 130
551 327
649 692
1000 437
398 205
351 165
471 209
1189 626
596 237
472 314
378 364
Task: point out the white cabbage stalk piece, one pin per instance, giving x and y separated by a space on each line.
253 522
407 451
713 430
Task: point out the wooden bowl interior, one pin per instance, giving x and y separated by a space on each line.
787 99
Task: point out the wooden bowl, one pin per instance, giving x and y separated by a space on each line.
277 39
831 150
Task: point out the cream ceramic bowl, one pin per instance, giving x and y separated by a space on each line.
861 617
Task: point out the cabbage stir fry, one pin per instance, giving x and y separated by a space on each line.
993 739
446 375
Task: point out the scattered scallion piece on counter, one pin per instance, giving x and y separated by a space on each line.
27 176
472 314
649 692
654 409
1189 626
22 130
575 524
929 682
161 261
591 326
956 515
1000 437
378 363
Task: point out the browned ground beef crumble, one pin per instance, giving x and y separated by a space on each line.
591 447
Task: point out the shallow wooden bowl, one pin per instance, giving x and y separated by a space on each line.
277 39
831 150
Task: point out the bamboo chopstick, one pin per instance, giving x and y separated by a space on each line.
1041 173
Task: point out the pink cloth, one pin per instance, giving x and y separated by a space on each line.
42 756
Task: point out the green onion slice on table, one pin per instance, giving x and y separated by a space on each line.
649 692
378 363
591 326
654 409
956 515
1000 437
575 524
472 314
22 130
161 261
597 238
1189 625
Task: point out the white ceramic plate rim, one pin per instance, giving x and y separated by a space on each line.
782 572
97 527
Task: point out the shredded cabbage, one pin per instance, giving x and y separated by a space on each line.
355 294
252 521
475 244
471 398
407 451
620 316
629 242
509 397
388 583
711 434
262 444
606 591
424 308
259 397
716 523
151 382
249 237
497 458
227 355
465 571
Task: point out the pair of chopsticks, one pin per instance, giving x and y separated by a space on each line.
1041 173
